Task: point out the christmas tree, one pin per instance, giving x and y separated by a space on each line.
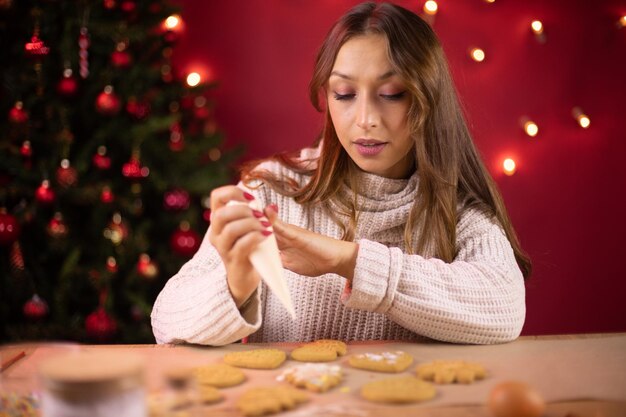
106 163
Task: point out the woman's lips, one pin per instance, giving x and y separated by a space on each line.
369 147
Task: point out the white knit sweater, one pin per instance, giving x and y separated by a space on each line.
478 298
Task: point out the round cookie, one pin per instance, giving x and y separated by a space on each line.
256 359
314 353
338 345
451 371
398 390
316 377
208 394
219 375
396 361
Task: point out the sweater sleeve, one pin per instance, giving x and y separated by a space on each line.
478 298
196 306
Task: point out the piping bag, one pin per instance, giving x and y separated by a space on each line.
266 260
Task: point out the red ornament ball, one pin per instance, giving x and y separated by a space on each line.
109 4
57 228
176 200
107 102
100 325
9 228
121 59
128 6
17 114
35 308
139 109
66 175
133 169
44 194
101 160
184 241
146 267
68 85
107 196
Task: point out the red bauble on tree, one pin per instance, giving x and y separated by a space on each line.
9 228
107 196
184 241
146 267
128 6
66 175
68 85
176 200
44 194
57 228
100 159
109 4
107 102
133 169
17 114
139 109
120 58
35 308
100 325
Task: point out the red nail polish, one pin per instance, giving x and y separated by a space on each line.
274 207
248 196
266 232
257 214
265 224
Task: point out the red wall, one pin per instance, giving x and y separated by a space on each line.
567 196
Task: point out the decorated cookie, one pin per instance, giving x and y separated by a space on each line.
317 377
219 375
256 359
448 372
396 361
399 389
269 400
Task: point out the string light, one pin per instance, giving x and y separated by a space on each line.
193 79
430 7
582 119
529 127
173 22
477 54
490 1
509 167
537 27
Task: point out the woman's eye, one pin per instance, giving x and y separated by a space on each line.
393 97
343 96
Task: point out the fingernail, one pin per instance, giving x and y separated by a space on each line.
258 214
274 207
266 232
248 196
265 224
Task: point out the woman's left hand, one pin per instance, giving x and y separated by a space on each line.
311 254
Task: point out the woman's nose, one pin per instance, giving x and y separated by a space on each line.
367 114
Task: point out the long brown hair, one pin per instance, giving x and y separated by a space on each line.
449 167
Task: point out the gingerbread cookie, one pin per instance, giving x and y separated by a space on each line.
256 359
396 361
269 400
316 377
448 372
219 375
402 389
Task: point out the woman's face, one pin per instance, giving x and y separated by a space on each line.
369 105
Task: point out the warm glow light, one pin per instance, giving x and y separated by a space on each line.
537 27
193 79
622 21
582 119
477 54
172 22
508 166
490 1
531 128
430 7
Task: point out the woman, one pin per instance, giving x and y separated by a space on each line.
391 228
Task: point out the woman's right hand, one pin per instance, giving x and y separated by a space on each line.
236 230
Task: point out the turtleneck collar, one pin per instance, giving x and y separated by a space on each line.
376 193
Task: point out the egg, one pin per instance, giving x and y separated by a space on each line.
515 399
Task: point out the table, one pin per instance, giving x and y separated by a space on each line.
578 375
